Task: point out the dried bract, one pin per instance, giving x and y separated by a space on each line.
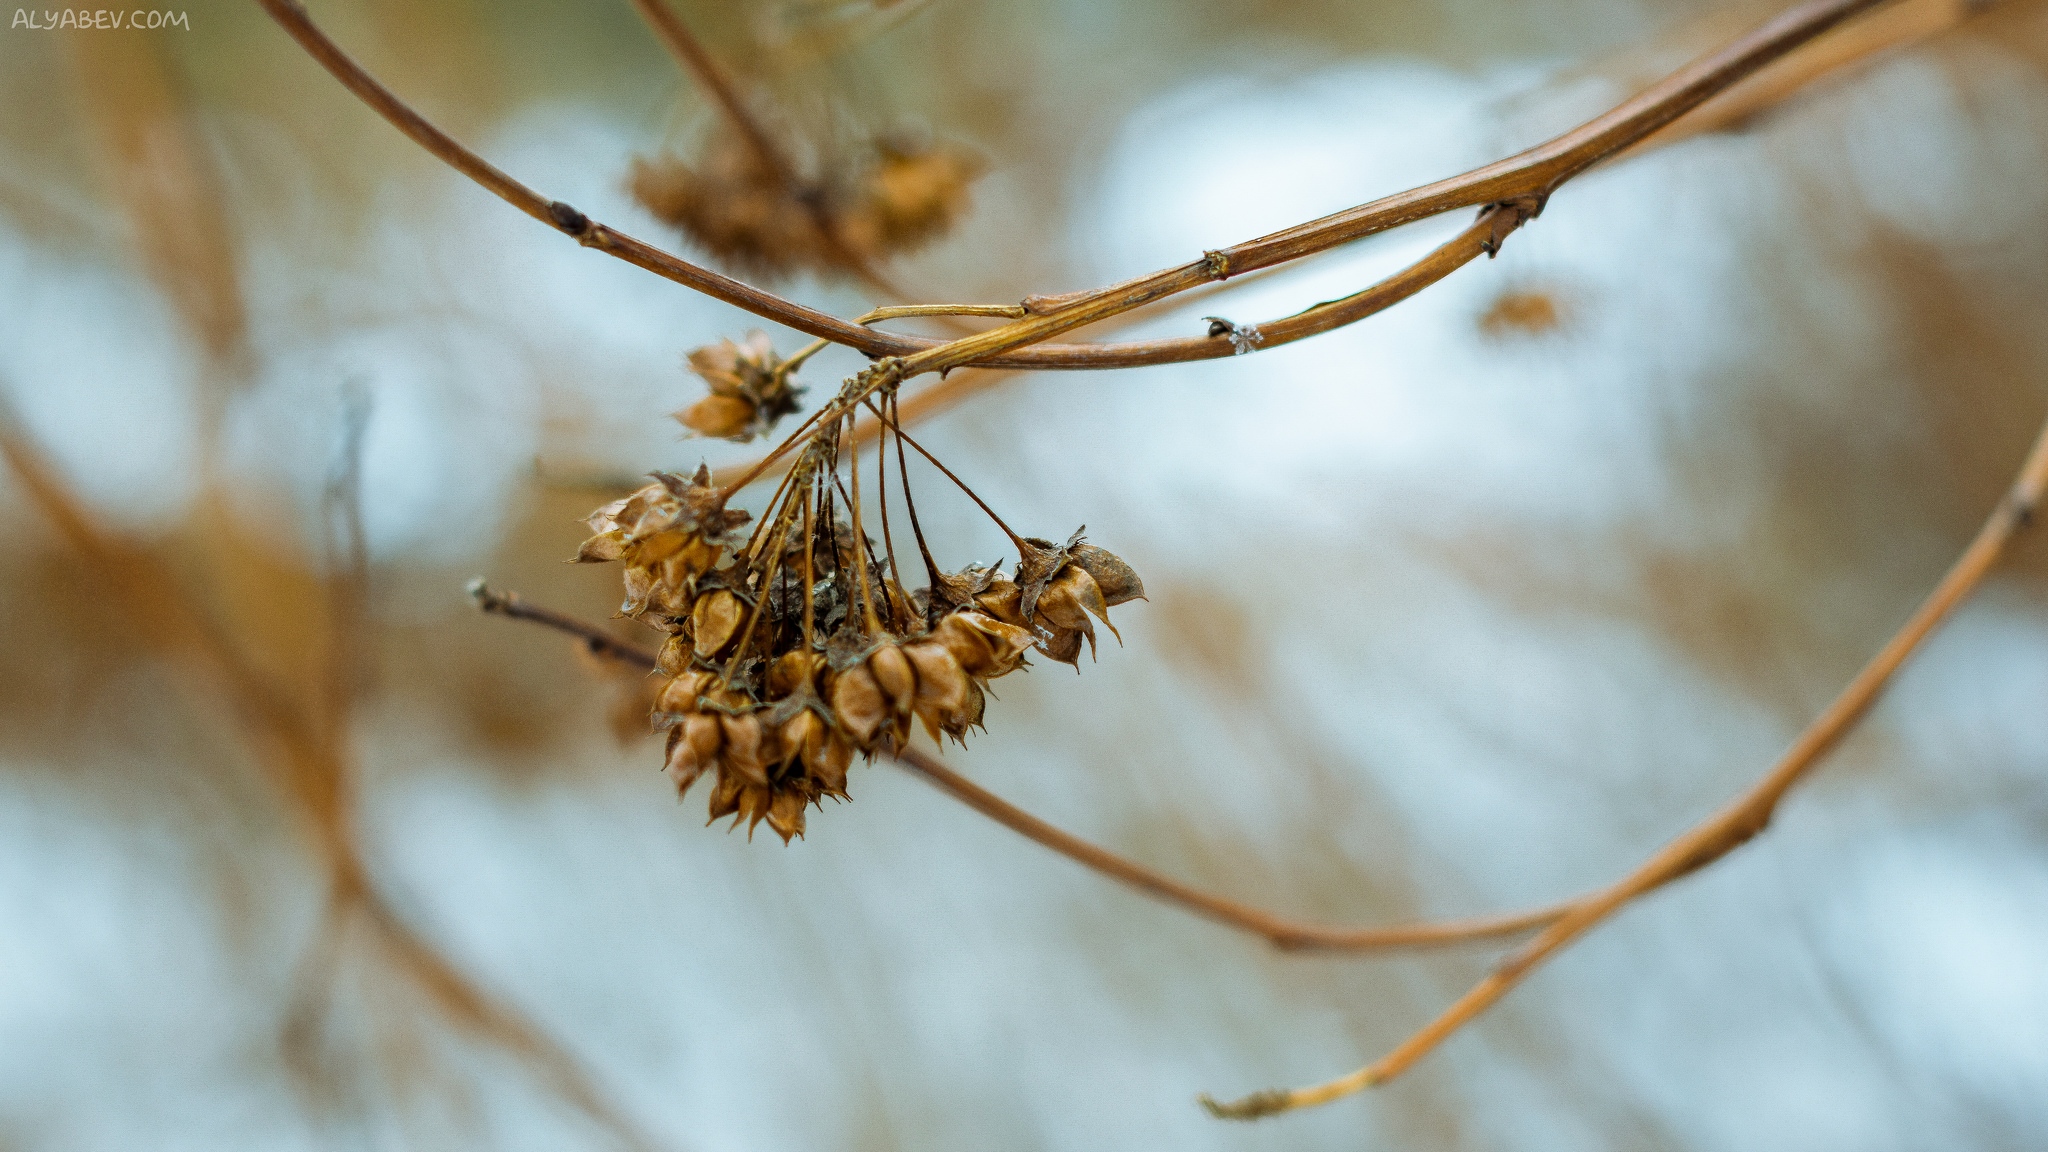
751 389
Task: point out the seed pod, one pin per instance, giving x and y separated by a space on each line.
724 417
603 547
639 586
858 704
796 737
786 815
725 794
827 761
893 675
792 672
715 622
1064 645
678 698
941 683
674 656
1001 646
1117 580
693 748
749 750
1004 601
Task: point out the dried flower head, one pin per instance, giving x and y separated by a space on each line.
914 195
751 388
869 201
796 649
735 207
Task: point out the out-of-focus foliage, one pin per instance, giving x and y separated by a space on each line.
1466 607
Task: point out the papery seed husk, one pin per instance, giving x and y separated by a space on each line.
827 760
639 585
719 416
755 803
687 757
678 698
1003 601
893 675
1064 646
968 646
1117 580
941 682
603 547
714 621
791 671
725 794
858 704
748 749
798 734
674 657
1088 594
1006 643
786 815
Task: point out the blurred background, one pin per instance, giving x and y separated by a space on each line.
1467 607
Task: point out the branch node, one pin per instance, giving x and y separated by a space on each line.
568 219
1216 263
1253 1107
1524 209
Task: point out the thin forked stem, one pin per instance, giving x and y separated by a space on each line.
901 439
1719 834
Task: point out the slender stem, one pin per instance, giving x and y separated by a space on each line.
931 567
1731 827
810 576
860 548
596 640
1291 935
901 438
676 37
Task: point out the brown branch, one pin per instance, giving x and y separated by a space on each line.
596 640
1525 179
1719 834
1289 935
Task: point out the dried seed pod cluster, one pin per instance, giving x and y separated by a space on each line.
792 651
751 388
877 200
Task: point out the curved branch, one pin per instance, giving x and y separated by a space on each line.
1526 179
1719 834
1289 935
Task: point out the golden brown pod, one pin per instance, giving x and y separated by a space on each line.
826 761
893 675
693 748
718 416
786 814
942 685
679 696
715 622
1118 581
858 704
750 749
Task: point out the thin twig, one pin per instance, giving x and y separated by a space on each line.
1714 837
596 640
1290 935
